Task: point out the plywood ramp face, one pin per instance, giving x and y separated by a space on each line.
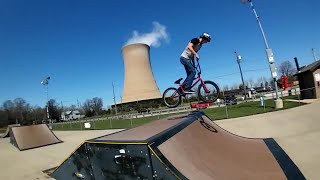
203 150
28 137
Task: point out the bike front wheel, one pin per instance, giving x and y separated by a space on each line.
171 97
208 92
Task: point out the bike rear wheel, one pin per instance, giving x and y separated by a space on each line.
209 93
171 97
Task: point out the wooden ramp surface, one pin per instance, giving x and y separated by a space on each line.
34 136
188 146
203 150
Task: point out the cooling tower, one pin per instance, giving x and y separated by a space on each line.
139 82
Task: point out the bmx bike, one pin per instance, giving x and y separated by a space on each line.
207 91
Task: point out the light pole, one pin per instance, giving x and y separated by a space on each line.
244 87
314 55
114 99
45 82
272 66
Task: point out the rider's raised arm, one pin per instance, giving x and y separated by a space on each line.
190 47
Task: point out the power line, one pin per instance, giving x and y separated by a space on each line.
252 70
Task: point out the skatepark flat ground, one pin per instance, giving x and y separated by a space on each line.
297 131
29 164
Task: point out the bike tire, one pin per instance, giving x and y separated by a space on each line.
167 102
203 98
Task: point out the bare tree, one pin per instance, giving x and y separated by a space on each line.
234 86
225 88
97 105
54 110
251 82
8 108
39 113
261 82
286 68
20 109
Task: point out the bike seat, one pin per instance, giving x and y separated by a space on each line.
178 81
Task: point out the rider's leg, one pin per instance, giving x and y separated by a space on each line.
190 72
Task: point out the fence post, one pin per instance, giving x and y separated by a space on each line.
226 110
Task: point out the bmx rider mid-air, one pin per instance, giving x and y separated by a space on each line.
187 58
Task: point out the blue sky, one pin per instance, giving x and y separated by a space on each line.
78 42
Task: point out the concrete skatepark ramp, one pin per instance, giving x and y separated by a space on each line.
178 147
34 136
6 134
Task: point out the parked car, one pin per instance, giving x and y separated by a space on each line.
144 110
252 90
230 100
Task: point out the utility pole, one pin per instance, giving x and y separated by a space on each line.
121 104
243 85
45 82
314 55
278 101
114 99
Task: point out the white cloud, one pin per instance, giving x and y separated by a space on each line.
153 38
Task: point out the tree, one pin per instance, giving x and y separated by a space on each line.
54 110
225 88
39 114
3 118
251 82
97 105
261 82
87 108
8 108
286 68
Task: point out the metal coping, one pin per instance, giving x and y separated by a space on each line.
287 165
168 133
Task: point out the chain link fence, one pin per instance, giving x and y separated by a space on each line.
222 109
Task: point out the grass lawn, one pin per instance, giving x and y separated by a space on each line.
245 109
107 124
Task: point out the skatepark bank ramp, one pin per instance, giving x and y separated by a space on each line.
6 134
34 136
178 147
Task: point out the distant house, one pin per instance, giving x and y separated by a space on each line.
71 115
309 80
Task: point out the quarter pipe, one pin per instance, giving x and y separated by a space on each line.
6 134
34 136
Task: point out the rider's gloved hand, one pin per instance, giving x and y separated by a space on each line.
197 56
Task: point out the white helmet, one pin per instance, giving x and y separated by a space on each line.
206 36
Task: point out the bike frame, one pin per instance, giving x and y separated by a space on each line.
198 79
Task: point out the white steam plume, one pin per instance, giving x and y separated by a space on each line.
153 38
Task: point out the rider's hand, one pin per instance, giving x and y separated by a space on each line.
197 56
